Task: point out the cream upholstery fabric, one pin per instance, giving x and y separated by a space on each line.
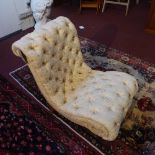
96 100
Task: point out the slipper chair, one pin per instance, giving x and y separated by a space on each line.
96 100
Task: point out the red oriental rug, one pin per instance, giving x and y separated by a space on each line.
137 133
27 128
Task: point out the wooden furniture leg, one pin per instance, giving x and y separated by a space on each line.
151 21
90 4
126 4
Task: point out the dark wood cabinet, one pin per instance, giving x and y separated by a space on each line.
151 20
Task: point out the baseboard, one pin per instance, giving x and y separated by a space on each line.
10 35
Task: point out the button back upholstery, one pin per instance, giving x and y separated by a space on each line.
87 97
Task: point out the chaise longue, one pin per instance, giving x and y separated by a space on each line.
96 100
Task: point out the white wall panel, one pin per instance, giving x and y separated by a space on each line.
9 21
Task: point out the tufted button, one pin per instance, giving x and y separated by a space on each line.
53 54
80 72
104 78
80 64
57 31
70 80
65 70
60 57
55 43
124 83
65 34
98 87
123 109
71 72
94 82
72 89
56 79
70 49
45 38
109 108
50 78
73 38
129 95
76 106
75 98
63 80
90 99
118 94
56 90
31 47
116 124
52 66
59 69
74 62
30 38
91 76
63 46
106 98
44 51
65 100
67 60
63 90
67 24
85 85
43 63
94 110
135 85
77 52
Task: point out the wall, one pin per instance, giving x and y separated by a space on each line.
9 21
21 6
10 16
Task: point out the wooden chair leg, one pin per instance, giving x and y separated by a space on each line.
127 8
137 1
98 6
80 7
103 6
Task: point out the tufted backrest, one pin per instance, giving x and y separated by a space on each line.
55 59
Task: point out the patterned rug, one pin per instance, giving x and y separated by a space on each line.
137 133
26 128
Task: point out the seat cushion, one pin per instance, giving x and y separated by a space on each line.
103 99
